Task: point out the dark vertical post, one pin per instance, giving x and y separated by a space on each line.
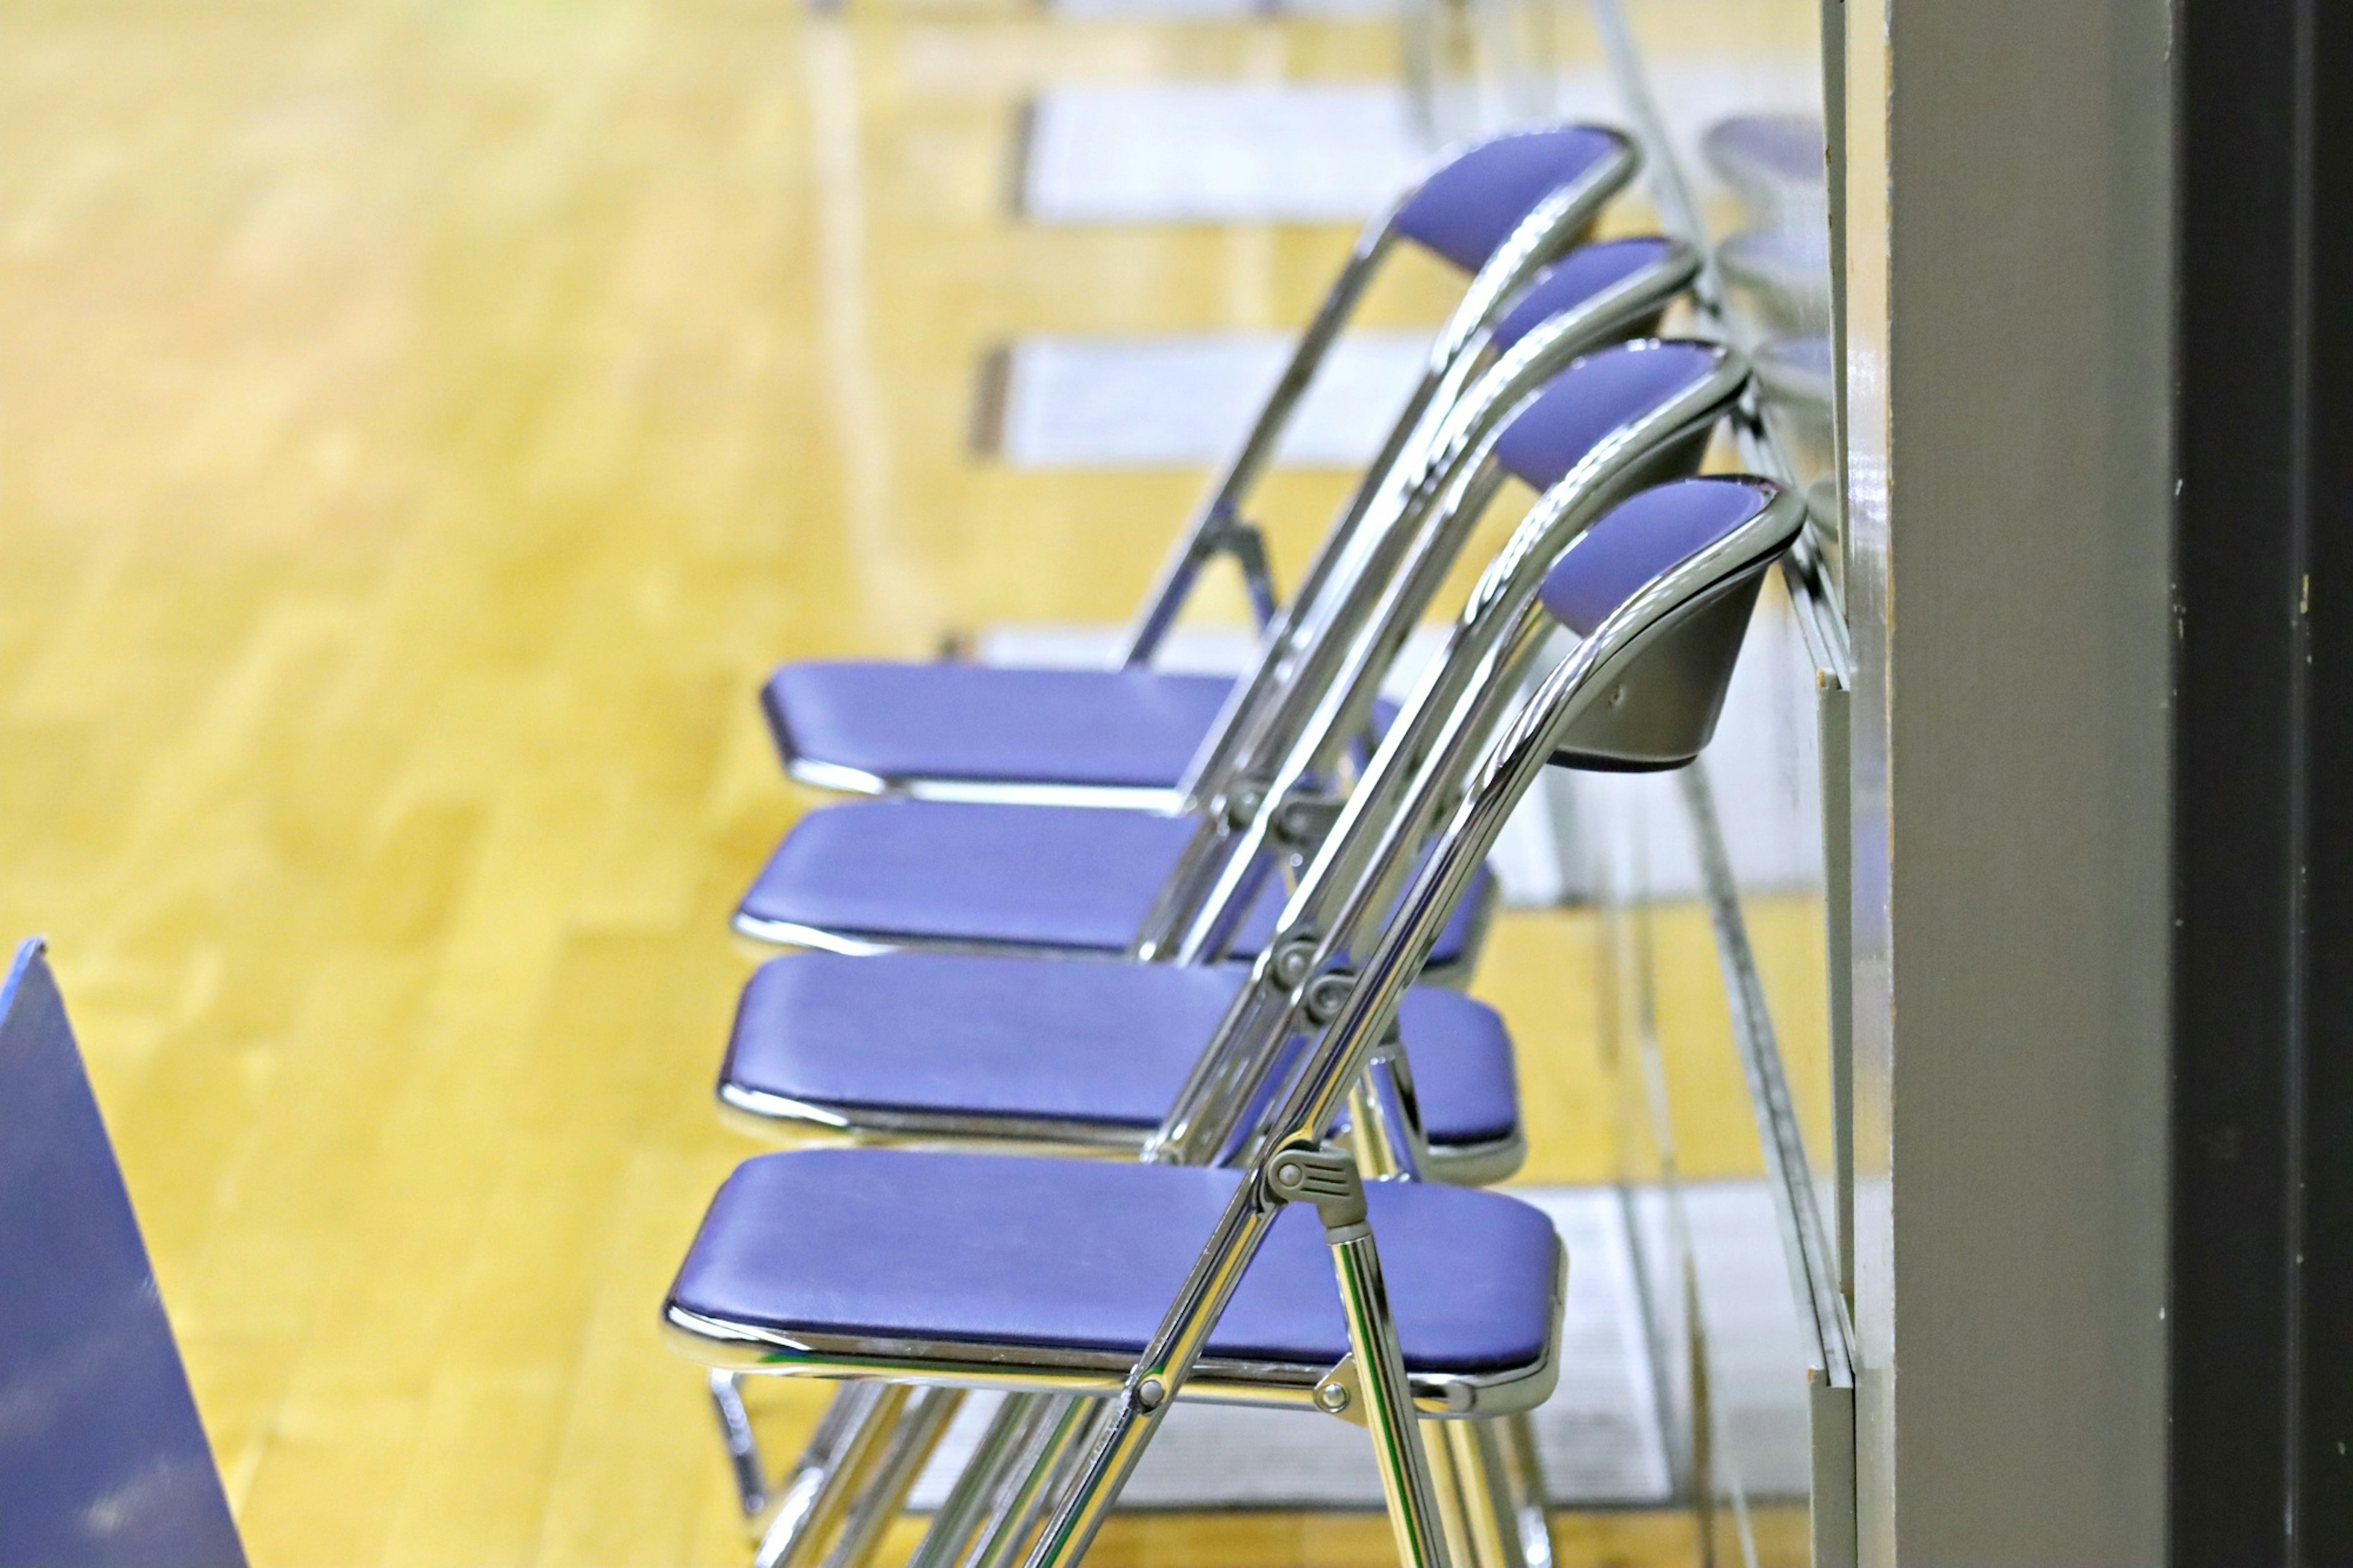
2262 1292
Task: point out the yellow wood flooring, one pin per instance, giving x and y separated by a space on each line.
422 422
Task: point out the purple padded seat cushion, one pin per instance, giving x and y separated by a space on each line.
1639 539
1465 210
1556 427
1117 728
1047 1038
1113 728
1081 1254
1021 876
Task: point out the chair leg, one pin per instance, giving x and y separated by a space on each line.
826 1483
1121 1425
1058 1451
1490 1510
1330 1180
1454 1512
983 1490
1390 1415
920 1428
1521 1467
790 1496
742 1447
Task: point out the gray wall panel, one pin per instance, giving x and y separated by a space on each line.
2009 367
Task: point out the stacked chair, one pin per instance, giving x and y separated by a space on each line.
1125 972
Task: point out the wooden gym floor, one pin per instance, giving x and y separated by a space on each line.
424 422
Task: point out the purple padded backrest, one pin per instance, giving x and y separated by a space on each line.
1592 397
1467 209
1791 145
102 1457
1575 278
1808 356
1641 537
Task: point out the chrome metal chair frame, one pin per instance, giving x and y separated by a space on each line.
1198 906
1552 227
1580 708
1458 479
1668 617
1476 393
1424 761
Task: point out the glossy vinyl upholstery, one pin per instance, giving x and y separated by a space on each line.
1641 537
894 873
915 873
1465 210
984 1255
897 725
1117 728
1100 1046
1584 403
1575 278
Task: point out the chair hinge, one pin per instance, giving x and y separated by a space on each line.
1304 819
1341 1393
1327 1178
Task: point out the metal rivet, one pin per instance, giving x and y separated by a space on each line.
1328 995
1287 1175
1332 1398
1290 963
1150 1392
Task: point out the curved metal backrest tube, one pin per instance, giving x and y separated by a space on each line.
1418 772
1537 339
1578 698
1222 507
1201 898
1549 227
1667 440
1499 295
1366 870
1582 302
1647 620
1323 696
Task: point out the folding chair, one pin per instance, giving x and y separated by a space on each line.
1502 210
103 1460
981 1052
872 875
1043 1278
947 1049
